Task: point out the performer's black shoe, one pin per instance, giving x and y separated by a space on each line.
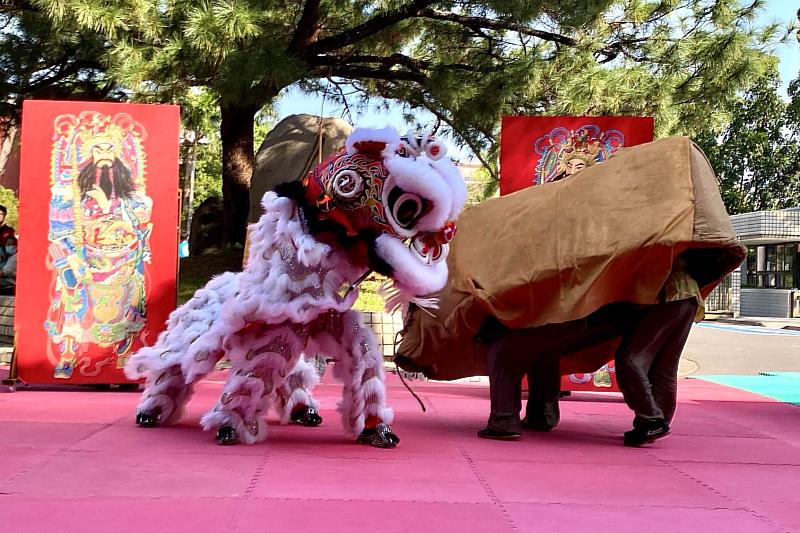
307 416
538 424
380 436
488 433
226 436
147 420
647 433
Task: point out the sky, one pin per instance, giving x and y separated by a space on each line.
293 101
785 11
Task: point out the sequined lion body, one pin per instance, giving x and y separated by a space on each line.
382 205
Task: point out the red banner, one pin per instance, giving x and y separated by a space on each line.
536 150
98 233
602 380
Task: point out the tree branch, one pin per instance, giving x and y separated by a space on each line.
415 65
308 27
368 28
476 149
15 6
479 23
63 73
387 62
354 72
342 98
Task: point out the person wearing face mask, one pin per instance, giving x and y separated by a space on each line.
8 272
6 231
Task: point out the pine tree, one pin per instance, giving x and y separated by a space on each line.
43 59
467 61
757 155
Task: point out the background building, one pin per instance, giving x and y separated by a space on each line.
768 282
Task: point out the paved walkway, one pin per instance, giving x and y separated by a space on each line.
759 321
74 461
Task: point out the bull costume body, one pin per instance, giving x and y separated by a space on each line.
570 260
383 205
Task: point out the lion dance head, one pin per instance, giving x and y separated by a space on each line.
391 202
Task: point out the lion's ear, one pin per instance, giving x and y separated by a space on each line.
370 148
372 142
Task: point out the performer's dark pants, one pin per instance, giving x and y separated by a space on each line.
536 351
647 359
509 358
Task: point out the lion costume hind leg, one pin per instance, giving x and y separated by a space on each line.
190 349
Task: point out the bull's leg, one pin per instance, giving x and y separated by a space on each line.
260 359
294 400
359 365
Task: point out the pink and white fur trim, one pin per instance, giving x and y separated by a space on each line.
290 284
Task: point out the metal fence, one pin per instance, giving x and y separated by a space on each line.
720 298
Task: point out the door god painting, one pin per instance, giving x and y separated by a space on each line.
541 150
98 234
100 226
563 152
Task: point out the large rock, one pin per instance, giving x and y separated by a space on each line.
294 147
9 156
205 236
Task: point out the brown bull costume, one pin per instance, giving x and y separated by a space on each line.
558 260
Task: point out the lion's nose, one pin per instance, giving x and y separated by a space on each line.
443 236
433 246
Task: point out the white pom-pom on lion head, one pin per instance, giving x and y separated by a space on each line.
382 142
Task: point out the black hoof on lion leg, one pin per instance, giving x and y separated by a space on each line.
226 436
147 420
380 436
307 416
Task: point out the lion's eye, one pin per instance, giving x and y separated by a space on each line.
407 209
347 184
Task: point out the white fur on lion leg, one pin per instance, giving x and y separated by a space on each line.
260 361
296 390
166 395
241 405
360 368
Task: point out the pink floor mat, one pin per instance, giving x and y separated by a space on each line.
75 461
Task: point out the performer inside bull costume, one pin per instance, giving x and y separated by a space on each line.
382 205
611 263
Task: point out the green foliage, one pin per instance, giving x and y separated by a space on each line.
368 297
200 122
469 62
10 201
757 155
208 174
43 58
195 271
481 187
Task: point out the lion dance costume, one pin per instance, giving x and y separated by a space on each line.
383 204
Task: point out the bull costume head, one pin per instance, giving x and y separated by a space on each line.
392 204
